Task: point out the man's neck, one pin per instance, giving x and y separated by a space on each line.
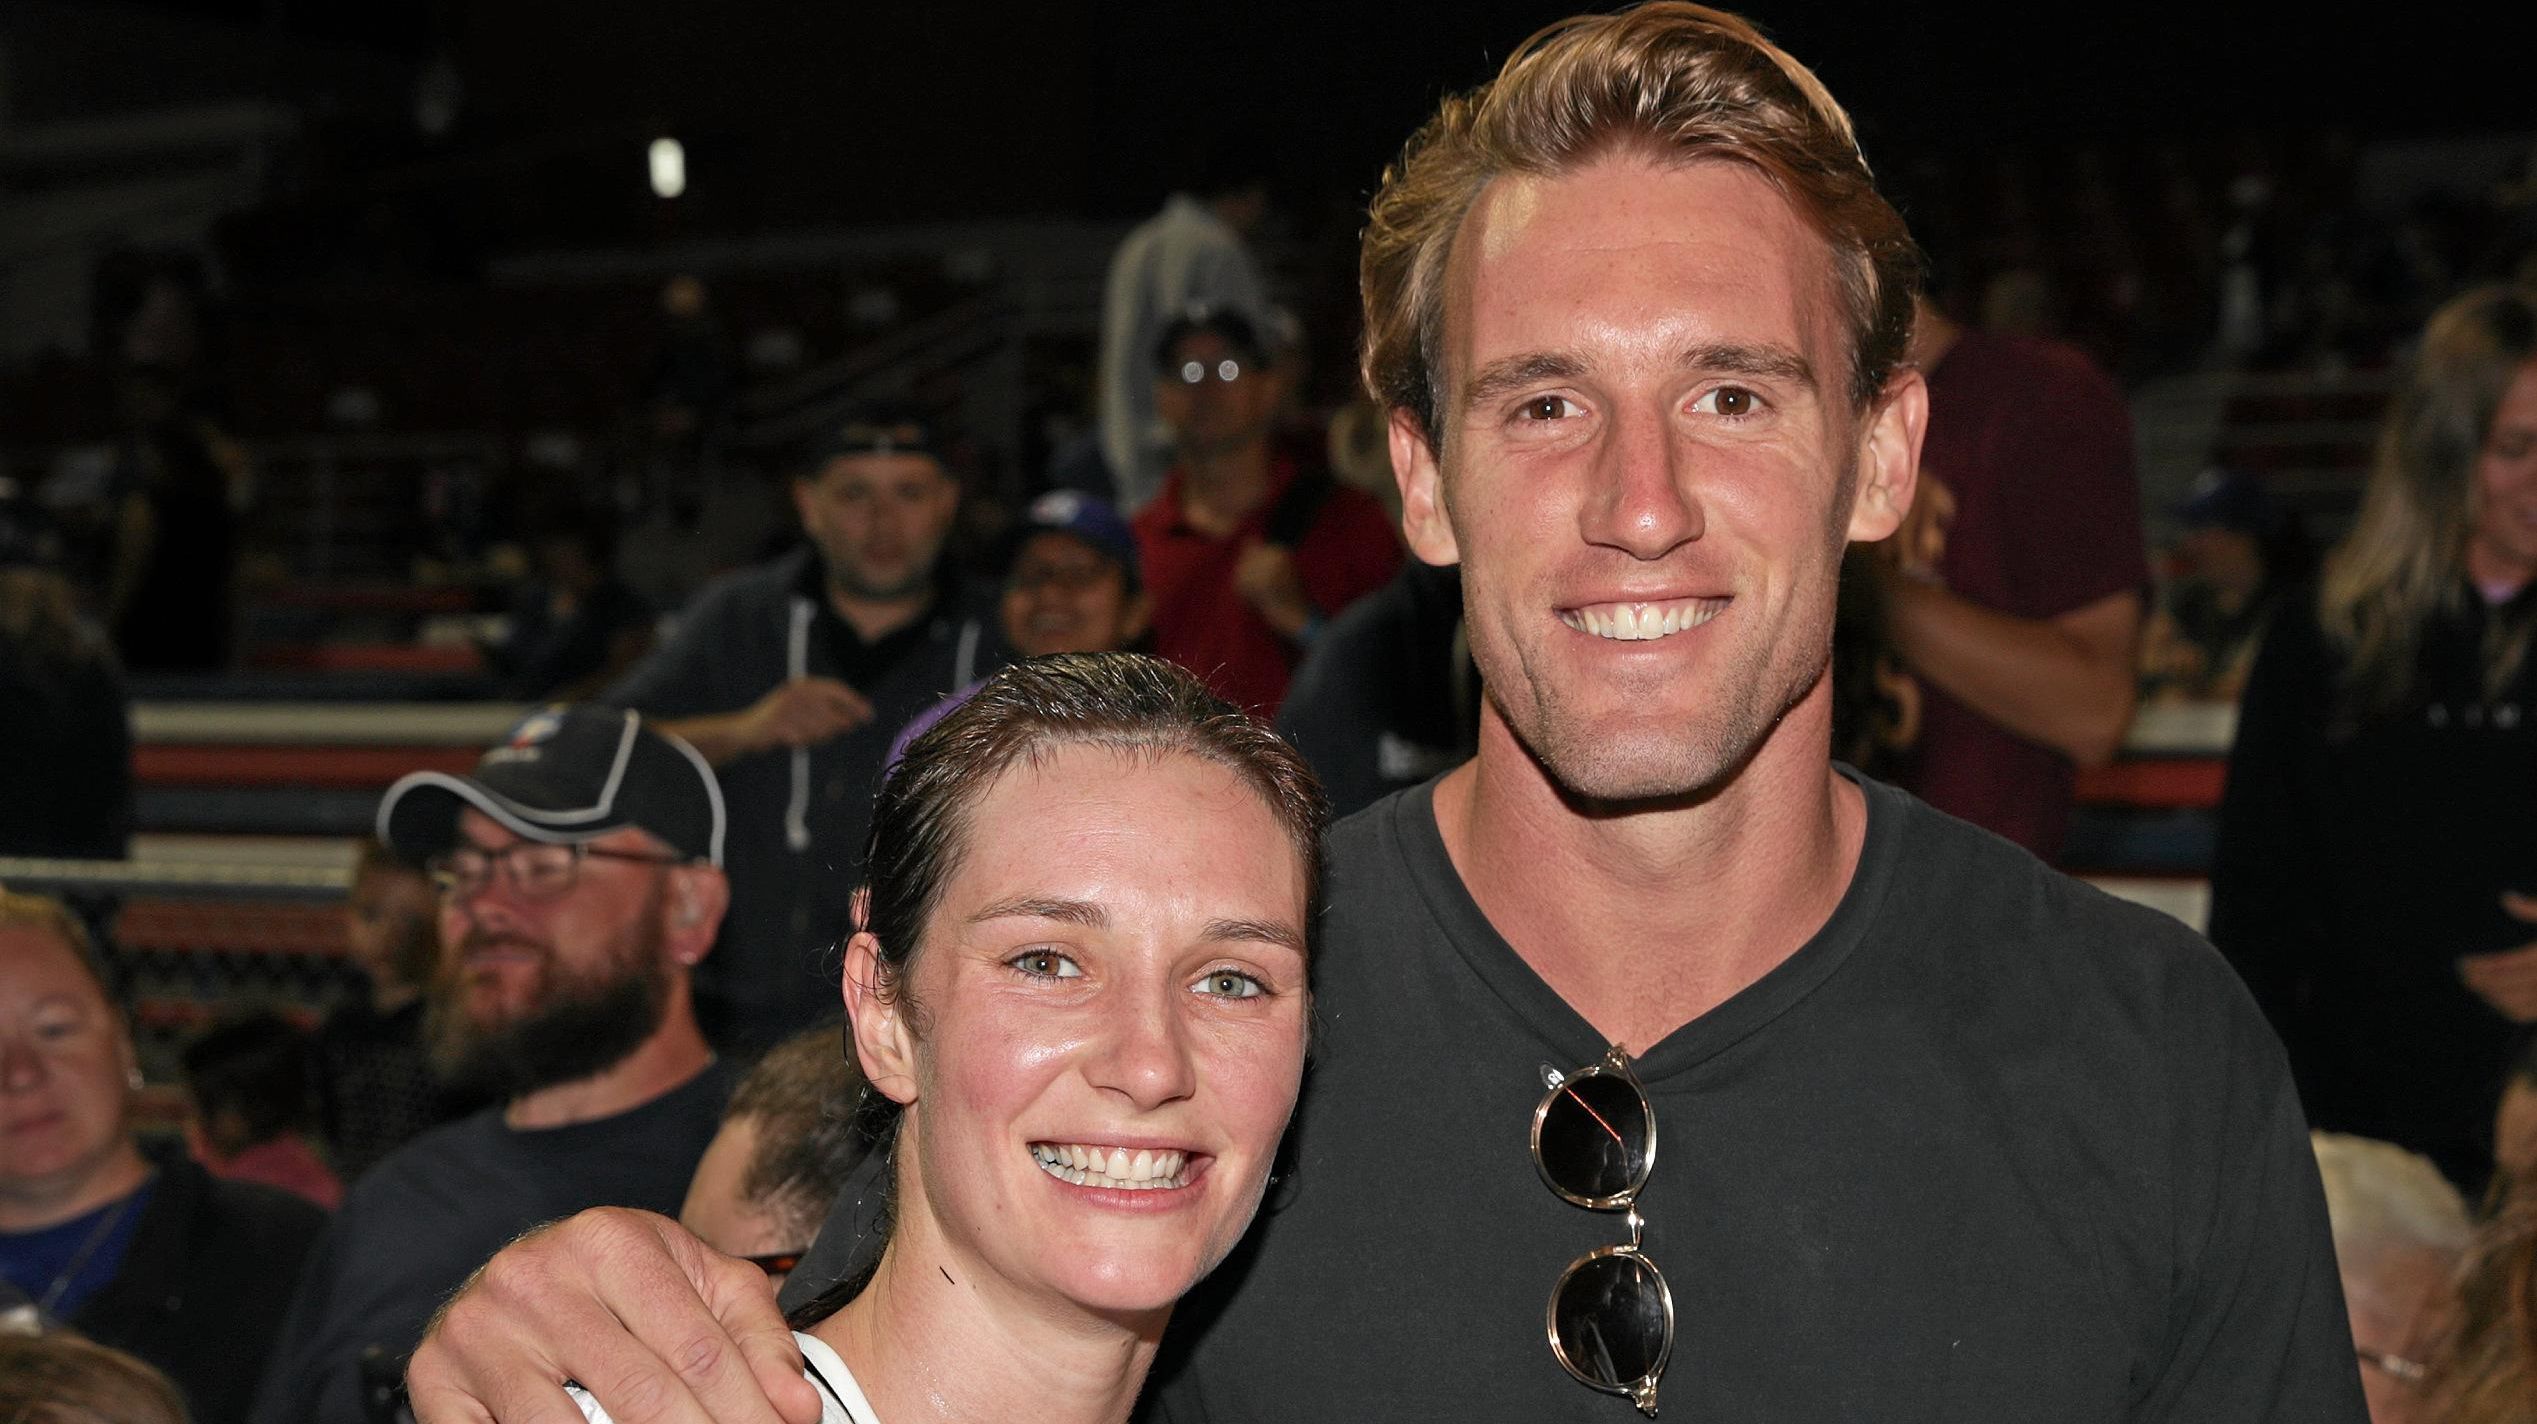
50 1204
1220 488
1645 920
674 1053
873 619
937 1337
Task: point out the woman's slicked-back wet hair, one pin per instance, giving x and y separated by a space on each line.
1678 83
1125 702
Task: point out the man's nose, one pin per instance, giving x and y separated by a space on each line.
21 1067
1642 502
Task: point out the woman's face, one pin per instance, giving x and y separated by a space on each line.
2503 546
1108 1030
64 1067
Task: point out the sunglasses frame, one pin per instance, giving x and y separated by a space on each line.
1641 1391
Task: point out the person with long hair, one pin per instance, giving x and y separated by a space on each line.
2376 875
1077 995
2485 1368
65 720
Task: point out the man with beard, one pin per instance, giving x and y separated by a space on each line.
1945 1135
580 880
791 678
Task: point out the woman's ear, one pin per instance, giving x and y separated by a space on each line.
875 1014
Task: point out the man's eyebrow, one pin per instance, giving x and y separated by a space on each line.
1038 907
1258 932
1509 374
1776 363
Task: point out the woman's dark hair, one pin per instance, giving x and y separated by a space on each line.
1126 702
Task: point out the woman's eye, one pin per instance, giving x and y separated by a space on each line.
1546 408
1046 964
1729 401
1231 984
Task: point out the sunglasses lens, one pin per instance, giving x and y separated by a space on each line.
1594 1136
1609 1321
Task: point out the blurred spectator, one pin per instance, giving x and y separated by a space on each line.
2485 1371
1875 702
60 1378
2024 630
375 1084
142 1252
2399 1231
2377 840
1192 253
1247 552
171 591
574 627
580 884
2515 1121
787 1140
1073 585
247 1079
1388 696
792 678
2234 556
65 721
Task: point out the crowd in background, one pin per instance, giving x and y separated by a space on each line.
1222 497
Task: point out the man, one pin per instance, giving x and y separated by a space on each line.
2025 628
580 883
1074 585
2400 1231
791 678
1945 1134
1192 253
1247 552
786 1143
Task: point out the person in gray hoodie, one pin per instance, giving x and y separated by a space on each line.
791 678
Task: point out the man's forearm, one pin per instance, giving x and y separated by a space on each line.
720 739
2068 690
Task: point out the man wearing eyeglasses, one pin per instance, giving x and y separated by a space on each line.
1247 551
1658 1058
580 881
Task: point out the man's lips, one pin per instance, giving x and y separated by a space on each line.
1642 620
34 1123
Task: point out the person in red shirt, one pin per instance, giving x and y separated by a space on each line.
1246 551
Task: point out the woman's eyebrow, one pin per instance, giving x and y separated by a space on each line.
1257 932
1042 907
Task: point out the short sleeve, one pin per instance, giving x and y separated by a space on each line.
677 678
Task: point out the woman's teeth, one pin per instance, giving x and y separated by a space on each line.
1114 1167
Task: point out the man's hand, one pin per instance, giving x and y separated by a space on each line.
804 712
2507 979
658 1327
1267 580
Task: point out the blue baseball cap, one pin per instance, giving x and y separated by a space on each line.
1090 518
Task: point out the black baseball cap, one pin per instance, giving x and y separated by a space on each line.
566 775
1229 326
874 430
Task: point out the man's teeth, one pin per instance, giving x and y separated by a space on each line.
1114 1167
1640 622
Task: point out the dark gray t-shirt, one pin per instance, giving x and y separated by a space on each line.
1991 1146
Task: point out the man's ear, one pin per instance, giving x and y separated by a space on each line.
1421 478
884 1048
697 897
1889 459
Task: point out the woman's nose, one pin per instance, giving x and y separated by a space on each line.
1147 1057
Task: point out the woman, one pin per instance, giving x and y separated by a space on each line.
2378 837
65 722
62 1379
2485 1371
1077 991
149 1256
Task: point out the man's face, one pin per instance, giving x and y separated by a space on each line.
533 992
1216 397
878 520
1648 467
1065 596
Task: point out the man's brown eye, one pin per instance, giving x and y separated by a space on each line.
1735 400
1544 407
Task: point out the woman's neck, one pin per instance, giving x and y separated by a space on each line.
937 1339
113 1177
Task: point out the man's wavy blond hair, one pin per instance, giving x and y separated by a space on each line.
1682 82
